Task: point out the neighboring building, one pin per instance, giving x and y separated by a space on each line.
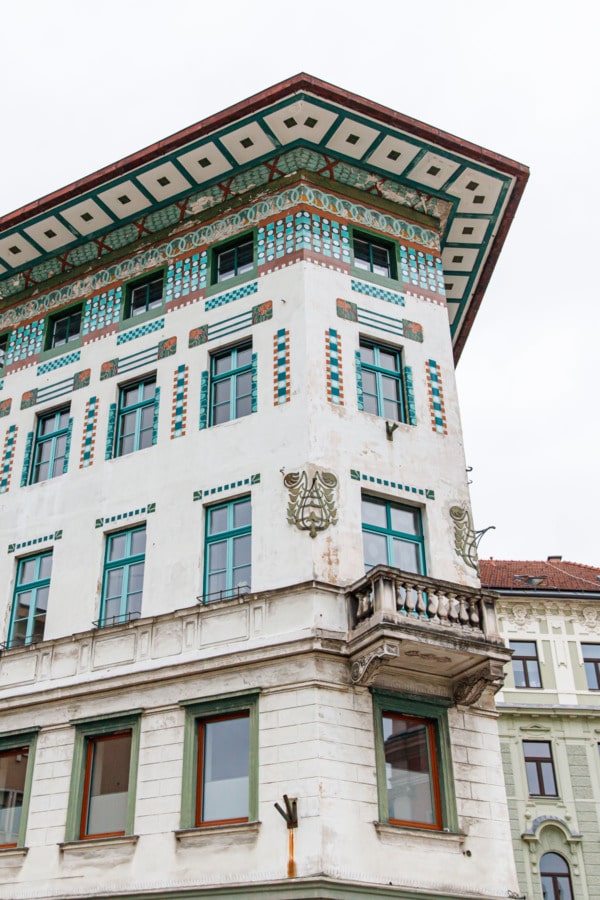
549 615
228 366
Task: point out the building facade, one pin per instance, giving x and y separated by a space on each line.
246 651
550 722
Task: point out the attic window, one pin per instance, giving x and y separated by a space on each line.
433 170
50 233
310 122
289 123
393 155
204 162
472 185
87 217
163 181
14 250
246 142
530 580
124 199
352 139
468 229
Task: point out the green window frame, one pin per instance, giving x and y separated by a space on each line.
228 549
233 261
539 768
64 327
136 415
4 342
30 600
51 445
392 535
525 664
207 799
144 296
231 377
17 752
374 255
382 382
423 764
123 580
93 734
591 663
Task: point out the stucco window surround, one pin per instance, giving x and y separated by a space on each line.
99 798
220 785
415 786
17 752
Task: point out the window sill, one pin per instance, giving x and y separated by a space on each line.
418 837
233 835
222 287
12 852
132 321
393 284
62 350
96 846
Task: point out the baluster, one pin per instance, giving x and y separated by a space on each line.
463 615
400 597
420 606
452 608
443 608
433 603
410 601
474 613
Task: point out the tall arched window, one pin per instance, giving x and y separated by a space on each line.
556 880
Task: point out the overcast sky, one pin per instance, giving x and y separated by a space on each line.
84 84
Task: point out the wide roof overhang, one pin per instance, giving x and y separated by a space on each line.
472 192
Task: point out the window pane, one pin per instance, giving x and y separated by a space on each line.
242 514
538 749
243 407
138 542
367 354
244 357
217 556
45 567
519 673
109 785
408 770
405 520
591 651
148 390
217 585
28 571
222 364
114 583
222 391
374 513
13 766
217 520
117 546
375 549
225 770
241 550
388 360
406 556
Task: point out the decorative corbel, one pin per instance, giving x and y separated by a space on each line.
365 668
469 690
466 539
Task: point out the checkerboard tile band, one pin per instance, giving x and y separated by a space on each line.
334 374
281 367
179 405
142 331
86 457
60 361
435 395
8 456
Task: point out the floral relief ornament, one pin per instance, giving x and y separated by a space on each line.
311 505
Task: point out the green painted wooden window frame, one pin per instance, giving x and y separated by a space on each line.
125 563
201 710
4 345
152 308
591 665
228 536
137 407
73 340
381 374
14 741
437 714
375 241
22 587
85 729
214 285
51 438
530 665
231 377
391 534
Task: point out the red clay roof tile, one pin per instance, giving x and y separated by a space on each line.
515 574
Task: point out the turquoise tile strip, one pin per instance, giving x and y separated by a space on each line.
27 459
359 381
68 445
179 410
371 290
58 362
335 381
155 420
421 270
119 517
243 482
55 536
203 400
102 310
244 291
89 433
435 391
395 485
110 431
25 342
410 395
186 276
142 331
281 365
254 389
8 456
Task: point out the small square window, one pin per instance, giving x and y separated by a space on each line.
50 234
479 199
204 162
124 199
102 795
591 661
393 155
290 123
51 444
457 259
228 550
30 600
144 295
123 582
539 767
472 185
136 415
14 250
16 770
468 229
246 143
525 664
433 170
87 217
220 762
163 181
4 341
310 122
374 255
64 327
233 259
352 139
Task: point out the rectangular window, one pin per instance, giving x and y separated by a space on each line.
392 535
64 327
539 768
220 761
4 339
526 668
383 392
51 443
374 255
135 420
144 295
123 581
16 769
102 795
591 661
231 384
233 259
30 600
412 747
228 554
